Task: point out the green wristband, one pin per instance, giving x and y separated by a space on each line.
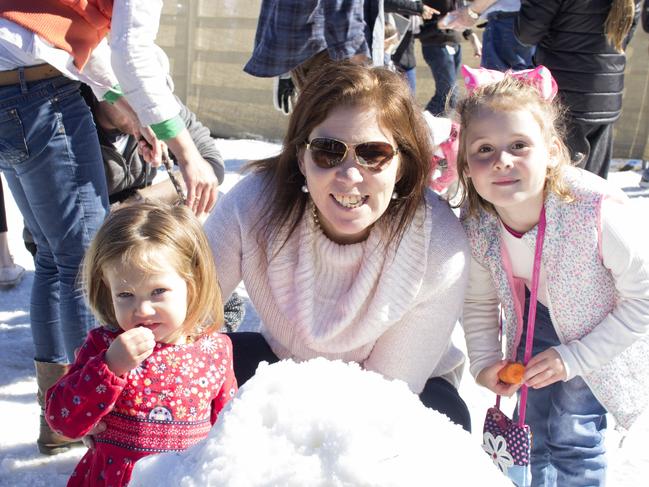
114 94
169 128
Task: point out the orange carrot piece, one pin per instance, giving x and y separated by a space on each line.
512 373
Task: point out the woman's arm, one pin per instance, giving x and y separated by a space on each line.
98 72
203 140
136 61
225 229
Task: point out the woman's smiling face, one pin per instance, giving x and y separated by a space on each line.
350 198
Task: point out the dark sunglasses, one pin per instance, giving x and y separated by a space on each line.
327 153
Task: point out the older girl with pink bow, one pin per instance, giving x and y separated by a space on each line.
589 289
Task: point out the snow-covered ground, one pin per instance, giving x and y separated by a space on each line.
22 465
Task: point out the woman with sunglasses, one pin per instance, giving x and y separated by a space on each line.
343 250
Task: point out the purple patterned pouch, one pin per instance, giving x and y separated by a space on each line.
508 444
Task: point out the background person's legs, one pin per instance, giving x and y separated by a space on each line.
10 272
52 162
500 48
591 146
444 62
61 193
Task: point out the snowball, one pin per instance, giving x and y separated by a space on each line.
322 423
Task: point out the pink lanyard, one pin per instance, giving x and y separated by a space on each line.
531 313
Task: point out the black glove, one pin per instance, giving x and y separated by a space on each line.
284 94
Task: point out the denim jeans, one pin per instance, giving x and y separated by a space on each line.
567 422
500 48
444 62
411 78
49 153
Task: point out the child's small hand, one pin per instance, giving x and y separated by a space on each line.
129 349
488 377
544 369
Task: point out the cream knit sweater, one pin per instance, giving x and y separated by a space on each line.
391 311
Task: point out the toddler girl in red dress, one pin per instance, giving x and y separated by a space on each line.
157 373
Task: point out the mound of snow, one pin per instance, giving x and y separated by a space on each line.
322 423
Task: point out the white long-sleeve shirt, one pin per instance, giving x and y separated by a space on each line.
20 47
131 60
393 314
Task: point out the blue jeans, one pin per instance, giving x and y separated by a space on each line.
500 48
411 78
49 153
567 422
445 68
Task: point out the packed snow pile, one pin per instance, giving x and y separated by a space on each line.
322 423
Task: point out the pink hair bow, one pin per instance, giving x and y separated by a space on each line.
539 77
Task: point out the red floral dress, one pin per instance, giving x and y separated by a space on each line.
168 403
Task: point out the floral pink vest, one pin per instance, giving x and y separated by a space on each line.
581 290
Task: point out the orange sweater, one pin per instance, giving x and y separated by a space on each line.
76 26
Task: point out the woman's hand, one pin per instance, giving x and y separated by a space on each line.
457 20
544 369
129 350
200 180
152 154
488 377
150 147
129 122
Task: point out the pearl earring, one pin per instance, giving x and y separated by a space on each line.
305 188
395 195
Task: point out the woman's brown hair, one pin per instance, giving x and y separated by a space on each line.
619 22
348 85
138 234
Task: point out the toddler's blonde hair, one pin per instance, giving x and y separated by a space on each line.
141 234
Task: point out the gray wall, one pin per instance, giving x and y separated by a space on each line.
209 41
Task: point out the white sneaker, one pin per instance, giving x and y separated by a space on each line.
10 276
644 181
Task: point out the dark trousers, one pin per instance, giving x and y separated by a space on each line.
591 146
250 348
